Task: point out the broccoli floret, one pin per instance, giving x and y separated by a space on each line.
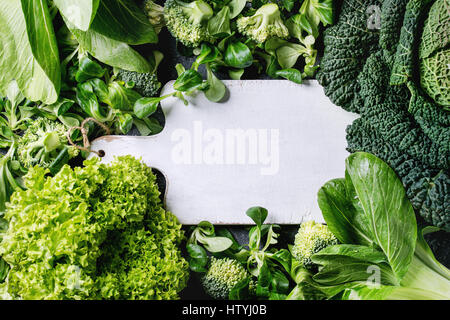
42 142
222 276
265 23
310 239
146 84
186 21
155 15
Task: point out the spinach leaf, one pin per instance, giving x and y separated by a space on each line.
109 51
124 122
219 25
391 218
28 50
238 55
88 69
80 13
123 21
236 7
216 90
145 107
258 215
290 74
204 233
147 126
198 259
342 213
122 98
188 80
241 290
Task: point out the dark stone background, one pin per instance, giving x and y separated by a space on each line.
439 242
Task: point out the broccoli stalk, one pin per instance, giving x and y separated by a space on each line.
310 239
222 276
186 21
155 15
265 23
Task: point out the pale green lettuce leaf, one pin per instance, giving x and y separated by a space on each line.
391 218
111 52
122 20
80 13
29 50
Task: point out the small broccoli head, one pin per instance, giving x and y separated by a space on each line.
42 142
186 21
146 84
222 276
310 239
265 23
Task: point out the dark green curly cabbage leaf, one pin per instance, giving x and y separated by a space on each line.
93 232
434 54
398 122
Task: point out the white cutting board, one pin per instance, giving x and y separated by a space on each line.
273 143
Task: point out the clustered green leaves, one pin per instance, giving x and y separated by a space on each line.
93 232
257 270
59 66
369 213
268 36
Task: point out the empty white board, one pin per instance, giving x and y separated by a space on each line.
273 143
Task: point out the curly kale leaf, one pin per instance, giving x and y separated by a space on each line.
427 189
398 123
386 107
434 121
392 12
348 43
436 31
434 54
404 57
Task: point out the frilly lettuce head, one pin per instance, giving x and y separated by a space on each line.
93 232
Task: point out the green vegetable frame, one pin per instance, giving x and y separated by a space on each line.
72 228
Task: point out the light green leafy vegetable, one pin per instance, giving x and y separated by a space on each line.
123 21
29 50
383 255
93 232
79 13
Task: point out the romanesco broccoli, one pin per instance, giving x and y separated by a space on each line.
222 276
265 23
310 239
42 142
186 21
146 84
